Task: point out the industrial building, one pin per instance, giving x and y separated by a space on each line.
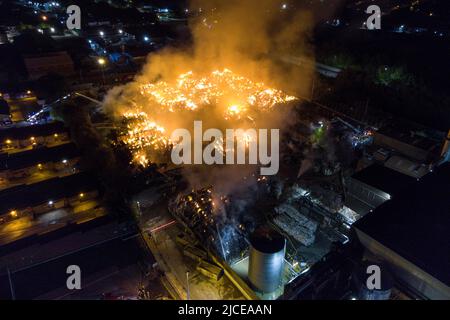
374 185
411 234
411 140
41 64
48 195
17 138
61 159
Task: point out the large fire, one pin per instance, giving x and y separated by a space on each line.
236 97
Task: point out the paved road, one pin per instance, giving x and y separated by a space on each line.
175 264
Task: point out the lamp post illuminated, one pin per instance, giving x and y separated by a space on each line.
102 62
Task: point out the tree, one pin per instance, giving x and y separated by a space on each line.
393 76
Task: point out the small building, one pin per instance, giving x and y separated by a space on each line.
33 136
406 166
48 195
41 64
60 159
411 234
410 140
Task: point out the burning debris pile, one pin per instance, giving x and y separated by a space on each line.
223 88
221 223
144 138
206 218
162 104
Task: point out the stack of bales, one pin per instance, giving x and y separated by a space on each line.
295 224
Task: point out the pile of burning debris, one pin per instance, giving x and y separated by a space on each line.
156 106
205 215
222 223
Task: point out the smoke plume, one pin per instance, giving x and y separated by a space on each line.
246 37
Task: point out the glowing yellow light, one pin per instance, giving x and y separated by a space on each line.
39 166
81 195
13 213
55 135
8 141
101 61
191 92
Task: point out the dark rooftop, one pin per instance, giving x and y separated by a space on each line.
416 223
267 240
32 131
413 134
30 158
384 179
23 196
4 107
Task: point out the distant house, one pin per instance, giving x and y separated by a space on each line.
23 137
60 159
41 64
48 195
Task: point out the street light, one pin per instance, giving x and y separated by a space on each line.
102 62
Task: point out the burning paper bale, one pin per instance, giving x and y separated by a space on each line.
233 97
211 218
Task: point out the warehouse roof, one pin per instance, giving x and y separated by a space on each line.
20 160
25 196
384 179
32 131
416 223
